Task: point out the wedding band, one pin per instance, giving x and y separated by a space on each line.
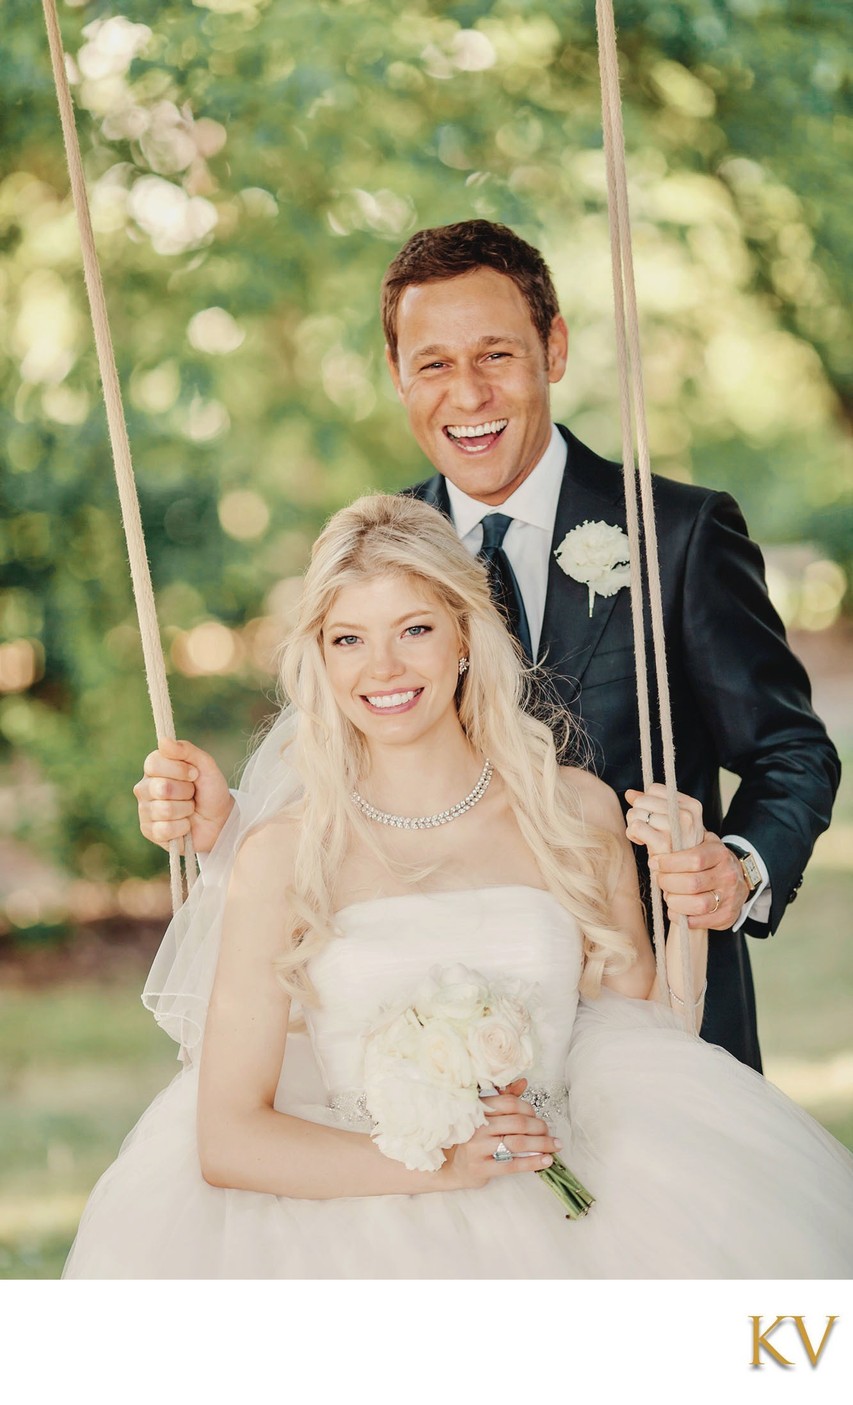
502 1152
717 901
649 817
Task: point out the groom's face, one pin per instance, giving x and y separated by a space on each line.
475 379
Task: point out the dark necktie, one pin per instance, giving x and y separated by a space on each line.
505 589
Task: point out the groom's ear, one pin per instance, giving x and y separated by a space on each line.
558 349
391 362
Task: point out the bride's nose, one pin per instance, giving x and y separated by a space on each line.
385 662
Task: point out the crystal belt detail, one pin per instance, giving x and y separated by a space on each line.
551 1101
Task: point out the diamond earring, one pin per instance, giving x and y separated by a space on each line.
463 666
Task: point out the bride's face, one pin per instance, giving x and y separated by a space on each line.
392 657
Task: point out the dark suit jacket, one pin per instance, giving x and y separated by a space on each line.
740 698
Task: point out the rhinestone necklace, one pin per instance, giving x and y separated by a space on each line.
428 821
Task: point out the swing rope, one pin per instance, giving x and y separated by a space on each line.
152 651
638 467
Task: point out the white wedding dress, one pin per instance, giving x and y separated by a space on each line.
700 1168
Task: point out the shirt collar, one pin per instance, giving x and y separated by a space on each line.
534 501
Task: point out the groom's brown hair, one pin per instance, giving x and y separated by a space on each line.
450 250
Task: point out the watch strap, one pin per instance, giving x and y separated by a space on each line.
749 868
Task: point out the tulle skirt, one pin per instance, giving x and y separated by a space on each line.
700 1169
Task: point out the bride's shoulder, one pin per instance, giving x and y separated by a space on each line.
598 801
268 853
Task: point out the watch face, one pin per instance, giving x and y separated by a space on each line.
751 871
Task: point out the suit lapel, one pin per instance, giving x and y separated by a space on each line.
592 491
434 491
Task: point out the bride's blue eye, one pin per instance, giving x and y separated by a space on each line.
417 629
346 639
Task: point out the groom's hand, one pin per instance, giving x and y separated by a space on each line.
692 880
702 881
182 792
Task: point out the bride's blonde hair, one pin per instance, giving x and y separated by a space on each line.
381 535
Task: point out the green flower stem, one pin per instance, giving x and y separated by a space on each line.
575 1198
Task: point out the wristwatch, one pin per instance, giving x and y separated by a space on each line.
750 869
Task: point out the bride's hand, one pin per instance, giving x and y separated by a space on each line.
511 1120
182 791
647 821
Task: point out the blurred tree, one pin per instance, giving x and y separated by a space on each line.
252 168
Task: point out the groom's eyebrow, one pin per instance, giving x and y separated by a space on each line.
436 349
413 614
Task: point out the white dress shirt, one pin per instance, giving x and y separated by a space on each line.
533 508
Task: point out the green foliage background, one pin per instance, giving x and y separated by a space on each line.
267 158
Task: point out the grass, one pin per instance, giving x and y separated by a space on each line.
804 985
80 1064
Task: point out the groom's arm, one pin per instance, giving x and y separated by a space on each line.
755 698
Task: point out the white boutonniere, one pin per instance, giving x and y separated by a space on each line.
596 555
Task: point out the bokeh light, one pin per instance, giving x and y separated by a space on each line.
214 330
244 515
807 589
21 665
208 648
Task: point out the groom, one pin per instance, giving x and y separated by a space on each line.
474 339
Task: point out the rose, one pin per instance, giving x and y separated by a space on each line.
443 1055
596 554
513 1008
415 1118
397 1037
455 993
500 1050
434 1045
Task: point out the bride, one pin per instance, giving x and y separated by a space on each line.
403 816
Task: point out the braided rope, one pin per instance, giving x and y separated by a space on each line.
632 395
152 651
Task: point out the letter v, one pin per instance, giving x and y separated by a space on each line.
814 1356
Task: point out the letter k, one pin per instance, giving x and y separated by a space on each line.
759 1340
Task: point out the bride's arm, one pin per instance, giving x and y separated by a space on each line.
601 808
243 1141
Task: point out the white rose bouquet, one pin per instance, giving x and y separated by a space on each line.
428 1062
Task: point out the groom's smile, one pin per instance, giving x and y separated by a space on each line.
474 439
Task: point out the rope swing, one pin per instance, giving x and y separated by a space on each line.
629 361
635 459
140 573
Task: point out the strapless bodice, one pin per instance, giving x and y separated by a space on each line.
386 946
